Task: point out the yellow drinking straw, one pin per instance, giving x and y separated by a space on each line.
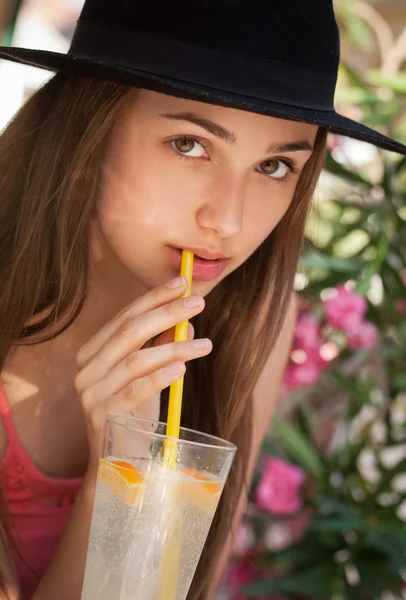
172 552
176 389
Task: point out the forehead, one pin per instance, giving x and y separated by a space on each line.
154 104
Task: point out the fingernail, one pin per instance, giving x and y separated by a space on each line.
201 344
193 301
176 368
177 283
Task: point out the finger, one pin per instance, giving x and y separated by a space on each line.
153 299
144 362
133 335
168 336
141 390
135 393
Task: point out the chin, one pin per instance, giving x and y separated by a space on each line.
203 288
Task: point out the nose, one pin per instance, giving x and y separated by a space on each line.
223 206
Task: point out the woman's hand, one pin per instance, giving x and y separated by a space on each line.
125 366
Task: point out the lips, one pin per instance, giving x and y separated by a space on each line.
206 254
204 269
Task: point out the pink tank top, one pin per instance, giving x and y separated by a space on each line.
38 506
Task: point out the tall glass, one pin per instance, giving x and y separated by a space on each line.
151 516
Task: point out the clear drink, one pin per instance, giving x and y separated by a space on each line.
150 521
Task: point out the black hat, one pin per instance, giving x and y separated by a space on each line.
274 57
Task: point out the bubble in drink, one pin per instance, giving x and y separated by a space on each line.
148 530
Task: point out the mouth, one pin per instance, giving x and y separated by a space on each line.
207 265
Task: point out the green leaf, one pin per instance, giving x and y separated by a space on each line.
299 554
394 546
393 281
298 447
360 394
360 96
400 381
351 244
400 165
355 28
316 582
352 77
377 574
269 448
332 502
347 458
374 267
382 113
396 82
303 417
317 260
337 525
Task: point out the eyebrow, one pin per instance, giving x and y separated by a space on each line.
230 137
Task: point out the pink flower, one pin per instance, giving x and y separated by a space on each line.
362 335
298 375
240 574
314 356
345 309
307 332
244 572
278 490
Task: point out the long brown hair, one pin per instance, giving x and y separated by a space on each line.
50 160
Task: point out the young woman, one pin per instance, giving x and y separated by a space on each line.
198 125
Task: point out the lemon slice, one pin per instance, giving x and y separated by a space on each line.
124 479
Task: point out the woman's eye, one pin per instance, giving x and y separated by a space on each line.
275 168
189 147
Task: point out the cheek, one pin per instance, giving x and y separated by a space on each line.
136 195
268 209
147 191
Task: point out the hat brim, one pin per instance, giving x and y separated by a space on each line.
87 67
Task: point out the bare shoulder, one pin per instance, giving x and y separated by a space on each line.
268 388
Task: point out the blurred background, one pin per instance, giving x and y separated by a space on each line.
43 24
327 511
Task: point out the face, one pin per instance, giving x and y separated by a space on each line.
185 174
